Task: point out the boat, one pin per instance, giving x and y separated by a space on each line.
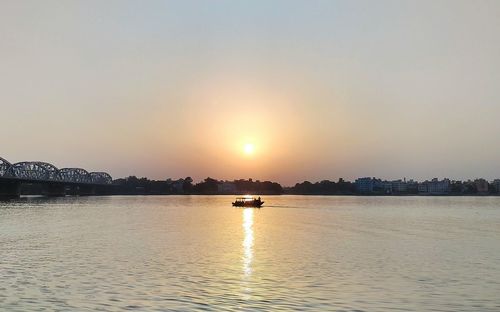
248 202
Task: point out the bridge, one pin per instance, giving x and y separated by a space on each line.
50 180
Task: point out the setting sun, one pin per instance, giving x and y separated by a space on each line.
249 148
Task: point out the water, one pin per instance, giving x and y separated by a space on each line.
298 253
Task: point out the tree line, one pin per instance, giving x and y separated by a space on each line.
209 186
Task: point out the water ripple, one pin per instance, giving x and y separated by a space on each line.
298 254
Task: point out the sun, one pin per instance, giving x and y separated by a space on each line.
249 148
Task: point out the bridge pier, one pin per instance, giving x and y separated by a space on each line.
86 190
54 190
72 190
10 189
103 190
80 190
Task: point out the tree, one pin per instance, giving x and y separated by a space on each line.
187 186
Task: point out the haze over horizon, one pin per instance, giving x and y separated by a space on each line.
283 90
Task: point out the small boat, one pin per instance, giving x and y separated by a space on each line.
248 202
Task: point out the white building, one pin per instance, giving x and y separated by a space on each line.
435 187
399 186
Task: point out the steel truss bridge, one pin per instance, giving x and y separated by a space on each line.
56 181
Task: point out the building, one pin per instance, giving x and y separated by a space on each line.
496 185
482 186
412 187
469 187
177 186
439 187
399 186
373 185
423 187
365 185
435 187
384 187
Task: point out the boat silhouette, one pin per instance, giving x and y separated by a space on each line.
248 202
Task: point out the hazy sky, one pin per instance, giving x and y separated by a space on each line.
323 89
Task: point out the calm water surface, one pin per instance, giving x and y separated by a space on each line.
298 253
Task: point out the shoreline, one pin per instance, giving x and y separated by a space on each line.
36 196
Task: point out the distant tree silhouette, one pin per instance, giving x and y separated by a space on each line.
325 187
187 186
208 186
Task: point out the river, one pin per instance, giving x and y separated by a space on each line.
302 253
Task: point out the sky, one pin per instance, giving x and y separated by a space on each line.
321 89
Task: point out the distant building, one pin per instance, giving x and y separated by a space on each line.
434 187
423 187
439 187
412 187
481 186
399 186
469 187
408 187
496 185
373 185
365 185
384 187
176 186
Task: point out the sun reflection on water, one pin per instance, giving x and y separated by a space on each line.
247 241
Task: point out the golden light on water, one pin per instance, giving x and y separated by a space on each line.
247 241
